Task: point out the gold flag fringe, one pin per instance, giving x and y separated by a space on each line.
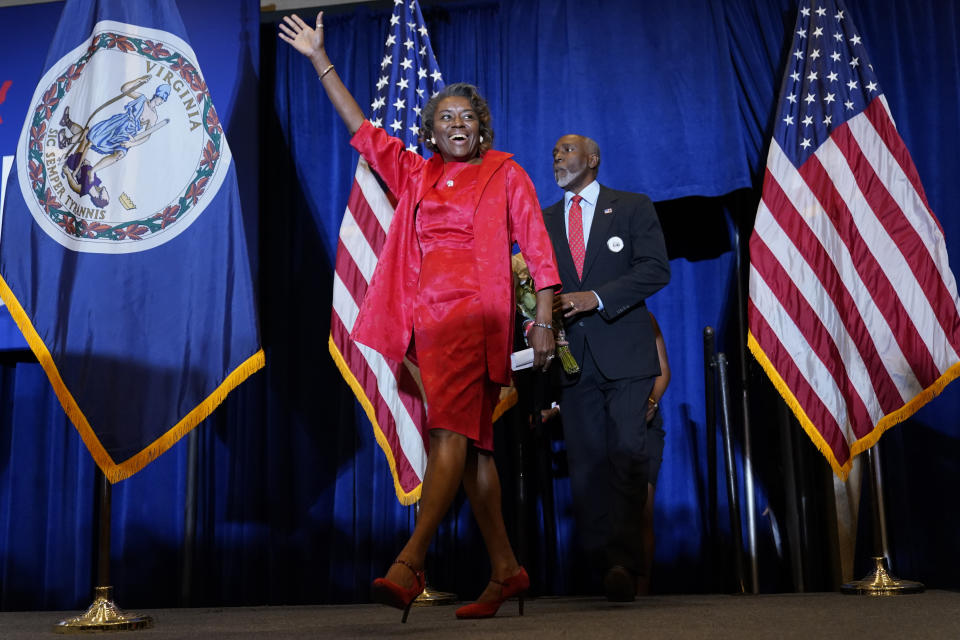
200 413
406 498
508 400
861 444
111 470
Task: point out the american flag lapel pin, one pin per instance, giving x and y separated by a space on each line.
607 210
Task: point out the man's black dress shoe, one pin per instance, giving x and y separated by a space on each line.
620 585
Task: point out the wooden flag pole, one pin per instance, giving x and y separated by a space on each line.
103 614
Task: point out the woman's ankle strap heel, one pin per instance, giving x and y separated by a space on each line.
393 595
514 586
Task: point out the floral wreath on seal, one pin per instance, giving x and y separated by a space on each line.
136 229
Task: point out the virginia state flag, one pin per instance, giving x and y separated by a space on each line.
123 257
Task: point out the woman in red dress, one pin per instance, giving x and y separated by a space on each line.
444 279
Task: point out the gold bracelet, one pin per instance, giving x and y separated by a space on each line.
543 325
325 72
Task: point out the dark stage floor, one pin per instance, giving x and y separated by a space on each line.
935 614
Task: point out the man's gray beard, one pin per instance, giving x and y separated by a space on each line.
563 181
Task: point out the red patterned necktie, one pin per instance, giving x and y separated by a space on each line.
575 234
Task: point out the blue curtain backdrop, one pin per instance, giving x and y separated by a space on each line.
295 501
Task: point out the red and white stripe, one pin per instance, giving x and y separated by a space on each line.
852 302
387 390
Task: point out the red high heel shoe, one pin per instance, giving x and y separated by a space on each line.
393 595
516 585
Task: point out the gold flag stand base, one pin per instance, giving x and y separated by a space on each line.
879 582
103 615
430 598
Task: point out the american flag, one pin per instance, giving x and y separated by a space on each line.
388 391
853 309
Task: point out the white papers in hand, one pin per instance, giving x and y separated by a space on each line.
521 359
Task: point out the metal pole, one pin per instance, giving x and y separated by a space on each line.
104 496
747 449
881 545
879 582
189 521
733 495
521 510
710 402
103 614
751 501
545 476
794 537
429 597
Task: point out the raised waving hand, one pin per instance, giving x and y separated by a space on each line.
309 41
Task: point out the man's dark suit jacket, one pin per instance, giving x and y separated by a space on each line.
621 337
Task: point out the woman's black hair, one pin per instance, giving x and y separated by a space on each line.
477 102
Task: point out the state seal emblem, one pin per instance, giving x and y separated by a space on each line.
122 148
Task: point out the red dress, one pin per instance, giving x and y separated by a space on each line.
448 317
444 276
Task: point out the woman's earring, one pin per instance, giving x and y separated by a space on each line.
433 141
481 139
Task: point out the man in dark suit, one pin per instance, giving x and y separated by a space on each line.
611 256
